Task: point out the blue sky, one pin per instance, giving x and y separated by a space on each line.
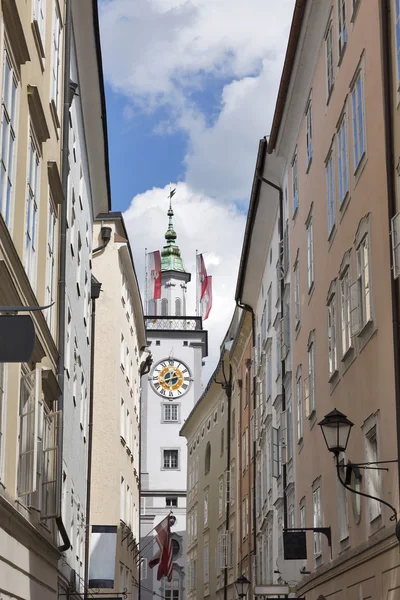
191 88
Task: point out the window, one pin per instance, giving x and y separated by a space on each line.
220 496
372 475
171 413
302 516
207 458
309 132
178 307
299 399
343 160
50 264
39 7
8 137
363 282
143 568
358 120
164 307
32 207
30 395
170 459
297 294
246 388
206 563
122 420
171 501
128 506
276 456
245 517
122 352
289 429
317 521
171 591
269 306
310 253
345 310
330 192
55 59
295 189
309 382
342 27
122 499
332 345
397 5
205 508
330 71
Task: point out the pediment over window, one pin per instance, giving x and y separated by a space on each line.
37 114
15 31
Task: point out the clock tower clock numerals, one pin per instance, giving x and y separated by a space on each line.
170 378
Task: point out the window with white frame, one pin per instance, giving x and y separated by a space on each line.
295 188
309 381
297 294
122 351
122 420
50 263
345 310
299 400
310 253
269 306
372 475
56 58
171 412
309 131
364 282
2 415
32 209
342 26
343 159
332 344
357 101
206 564
397 17
317 516
289 429
39 12
10 98
164 307
30 398
170 459
302 523
122 499
220 496
330 71
330 192
205 508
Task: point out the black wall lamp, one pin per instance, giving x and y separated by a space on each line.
242 585
336 428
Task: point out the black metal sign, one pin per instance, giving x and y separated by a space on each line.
294 545
17 338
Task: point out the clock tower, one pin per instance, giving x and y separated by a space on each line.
178 345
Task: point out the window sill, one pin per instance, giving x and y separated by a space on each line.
39 42
341 55
295 211
333 375
56 120
343 205
309 165
311 292
360 167
330 92
355 12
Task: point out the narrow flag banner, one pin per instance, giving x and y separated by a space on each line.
201 277
163 558
206 303
154 275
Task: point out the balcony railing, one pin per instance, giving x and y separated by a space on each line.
173 323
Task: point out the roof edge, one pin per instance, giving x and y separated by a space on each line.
294 36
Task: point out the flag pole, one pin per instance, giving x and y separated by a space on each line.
197 288
145 281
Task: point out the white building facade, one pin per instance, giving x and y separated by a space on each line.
171 389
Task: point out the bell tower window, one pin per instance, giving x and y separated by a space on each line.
178 307
164 307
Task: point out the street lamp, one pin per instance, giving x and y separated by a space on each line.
242 586
336 427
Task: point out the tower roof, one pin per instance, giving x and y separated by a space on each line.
171 259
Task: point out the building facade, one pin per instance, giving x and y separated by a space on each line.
328 135
120 343
178 345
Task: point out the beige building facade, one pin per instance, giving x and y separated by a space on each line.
120 342
328 150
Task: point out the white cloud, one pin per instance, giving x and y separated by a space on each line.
201 224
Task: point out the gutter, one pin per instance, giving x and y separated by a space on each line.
293 42
388 95
63 264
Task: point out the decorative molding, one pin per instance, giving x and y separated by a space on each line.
37 114
15 31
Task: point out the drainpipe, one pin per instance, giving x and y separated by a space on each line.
388 95
94 293
144 370
67 99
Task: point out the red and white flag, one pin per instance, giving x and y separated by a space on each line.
163 558
154 275
206 303
201 277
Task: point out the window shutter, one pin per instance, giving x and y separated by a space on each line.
275 452
307 407
51 464
355 312
31 392
396 245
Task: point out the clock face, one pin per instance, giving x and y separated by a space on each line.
170 378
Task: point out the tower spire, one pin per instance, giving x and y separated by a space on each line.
171 259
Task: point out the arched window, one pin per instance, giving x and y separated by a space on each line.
178 307
164 307
152 307
207 459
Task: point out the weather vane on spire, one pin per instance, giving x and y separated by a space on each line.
172 192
